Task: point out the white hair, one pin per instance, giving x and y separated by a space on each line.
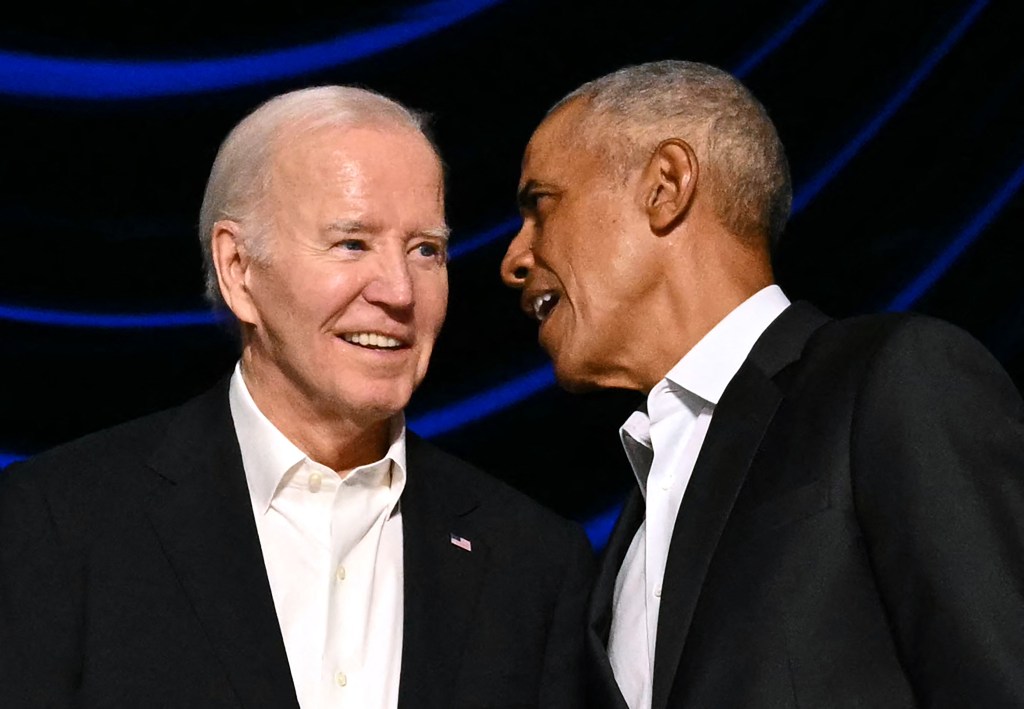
242 169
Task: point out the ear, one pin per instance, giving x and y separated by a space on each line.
233 266
669 181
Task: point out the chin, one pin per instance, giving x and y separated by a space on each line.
572 379
368 414
373 407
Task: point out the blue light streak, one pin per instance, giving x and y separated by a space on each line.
599 528
194 318
60 318
778 39
967 236
809 190
503 229
25 74
8 458
486 403
448 418
113 321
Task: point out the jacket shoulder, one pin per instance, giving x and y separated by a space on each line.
504 506
102 453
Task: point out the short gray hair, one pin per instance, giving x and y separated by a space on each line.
743 160
242 169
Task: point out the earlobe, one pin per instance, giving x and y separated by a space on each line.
670 181
232 264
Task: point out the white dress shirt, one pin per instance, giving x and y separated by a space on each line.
333 550
662 444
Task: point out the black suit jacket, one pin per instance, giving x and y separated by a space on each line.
852 532
131 575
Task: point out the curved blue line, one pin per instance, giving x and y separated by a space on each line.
842 158
60 318
193 318
113 321
599 527
478 406
8 458
967 236
826 174
505 228
778 38
24 74
448 418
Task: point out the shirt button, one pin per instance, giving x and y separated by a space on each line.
340 573
341 679
657 592
314 482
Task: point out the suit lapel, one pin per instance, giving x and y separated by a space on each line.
741 418
205 524
442 580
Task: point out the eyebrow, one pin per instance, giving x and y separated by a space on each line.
350 226
357 226
441 232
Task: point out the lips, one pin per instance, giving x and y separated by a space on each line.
543 304
540 303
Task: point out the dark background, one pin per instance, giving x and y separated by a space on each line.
904 122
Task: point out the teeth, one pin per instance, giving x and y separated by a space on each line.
371 339
542 305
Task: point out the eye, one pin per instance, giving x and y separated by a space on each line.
432 250
537 205
352 245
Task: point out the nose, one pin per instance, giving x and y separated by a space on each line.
518 261
391 285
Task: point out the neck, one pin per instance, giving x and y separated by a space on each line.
329 437
716 275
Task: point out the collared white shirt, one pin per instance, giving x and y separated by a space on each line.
333 551
662 444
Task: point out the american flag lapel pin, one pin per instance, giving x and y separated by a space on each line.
460 542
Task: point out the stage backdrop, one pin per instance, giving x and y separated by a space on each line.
903 121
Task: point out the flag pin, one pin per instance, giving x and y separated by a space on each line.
460 542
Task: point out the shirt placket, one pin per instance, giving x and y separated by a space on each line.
355 519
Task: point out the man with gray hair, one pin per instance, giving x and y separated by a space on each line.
283 540
828 513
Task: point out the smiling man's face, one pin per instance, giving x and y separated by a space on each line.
351 298
583 258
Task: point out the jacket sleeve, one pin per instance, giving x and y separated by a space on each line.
938 484
39 634
562 675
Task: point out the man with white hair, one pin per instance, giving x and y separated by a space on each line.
283 540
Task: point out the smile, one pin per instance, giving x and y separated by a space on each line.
373 340
543 304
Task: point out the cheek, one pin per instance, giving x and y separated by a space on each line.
432 299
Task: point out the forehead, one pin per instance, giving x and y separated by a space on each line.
553 136
559 152
341 156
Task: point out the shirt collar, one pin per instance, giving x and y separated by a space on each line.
702 374
710 365
268 456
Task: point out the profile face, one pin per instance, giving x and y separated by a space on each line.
352 297
580 258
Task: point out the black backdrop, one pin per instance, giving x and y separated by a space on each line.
904 122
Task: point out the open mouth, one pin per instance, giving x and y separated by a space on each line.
373 340
543 304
